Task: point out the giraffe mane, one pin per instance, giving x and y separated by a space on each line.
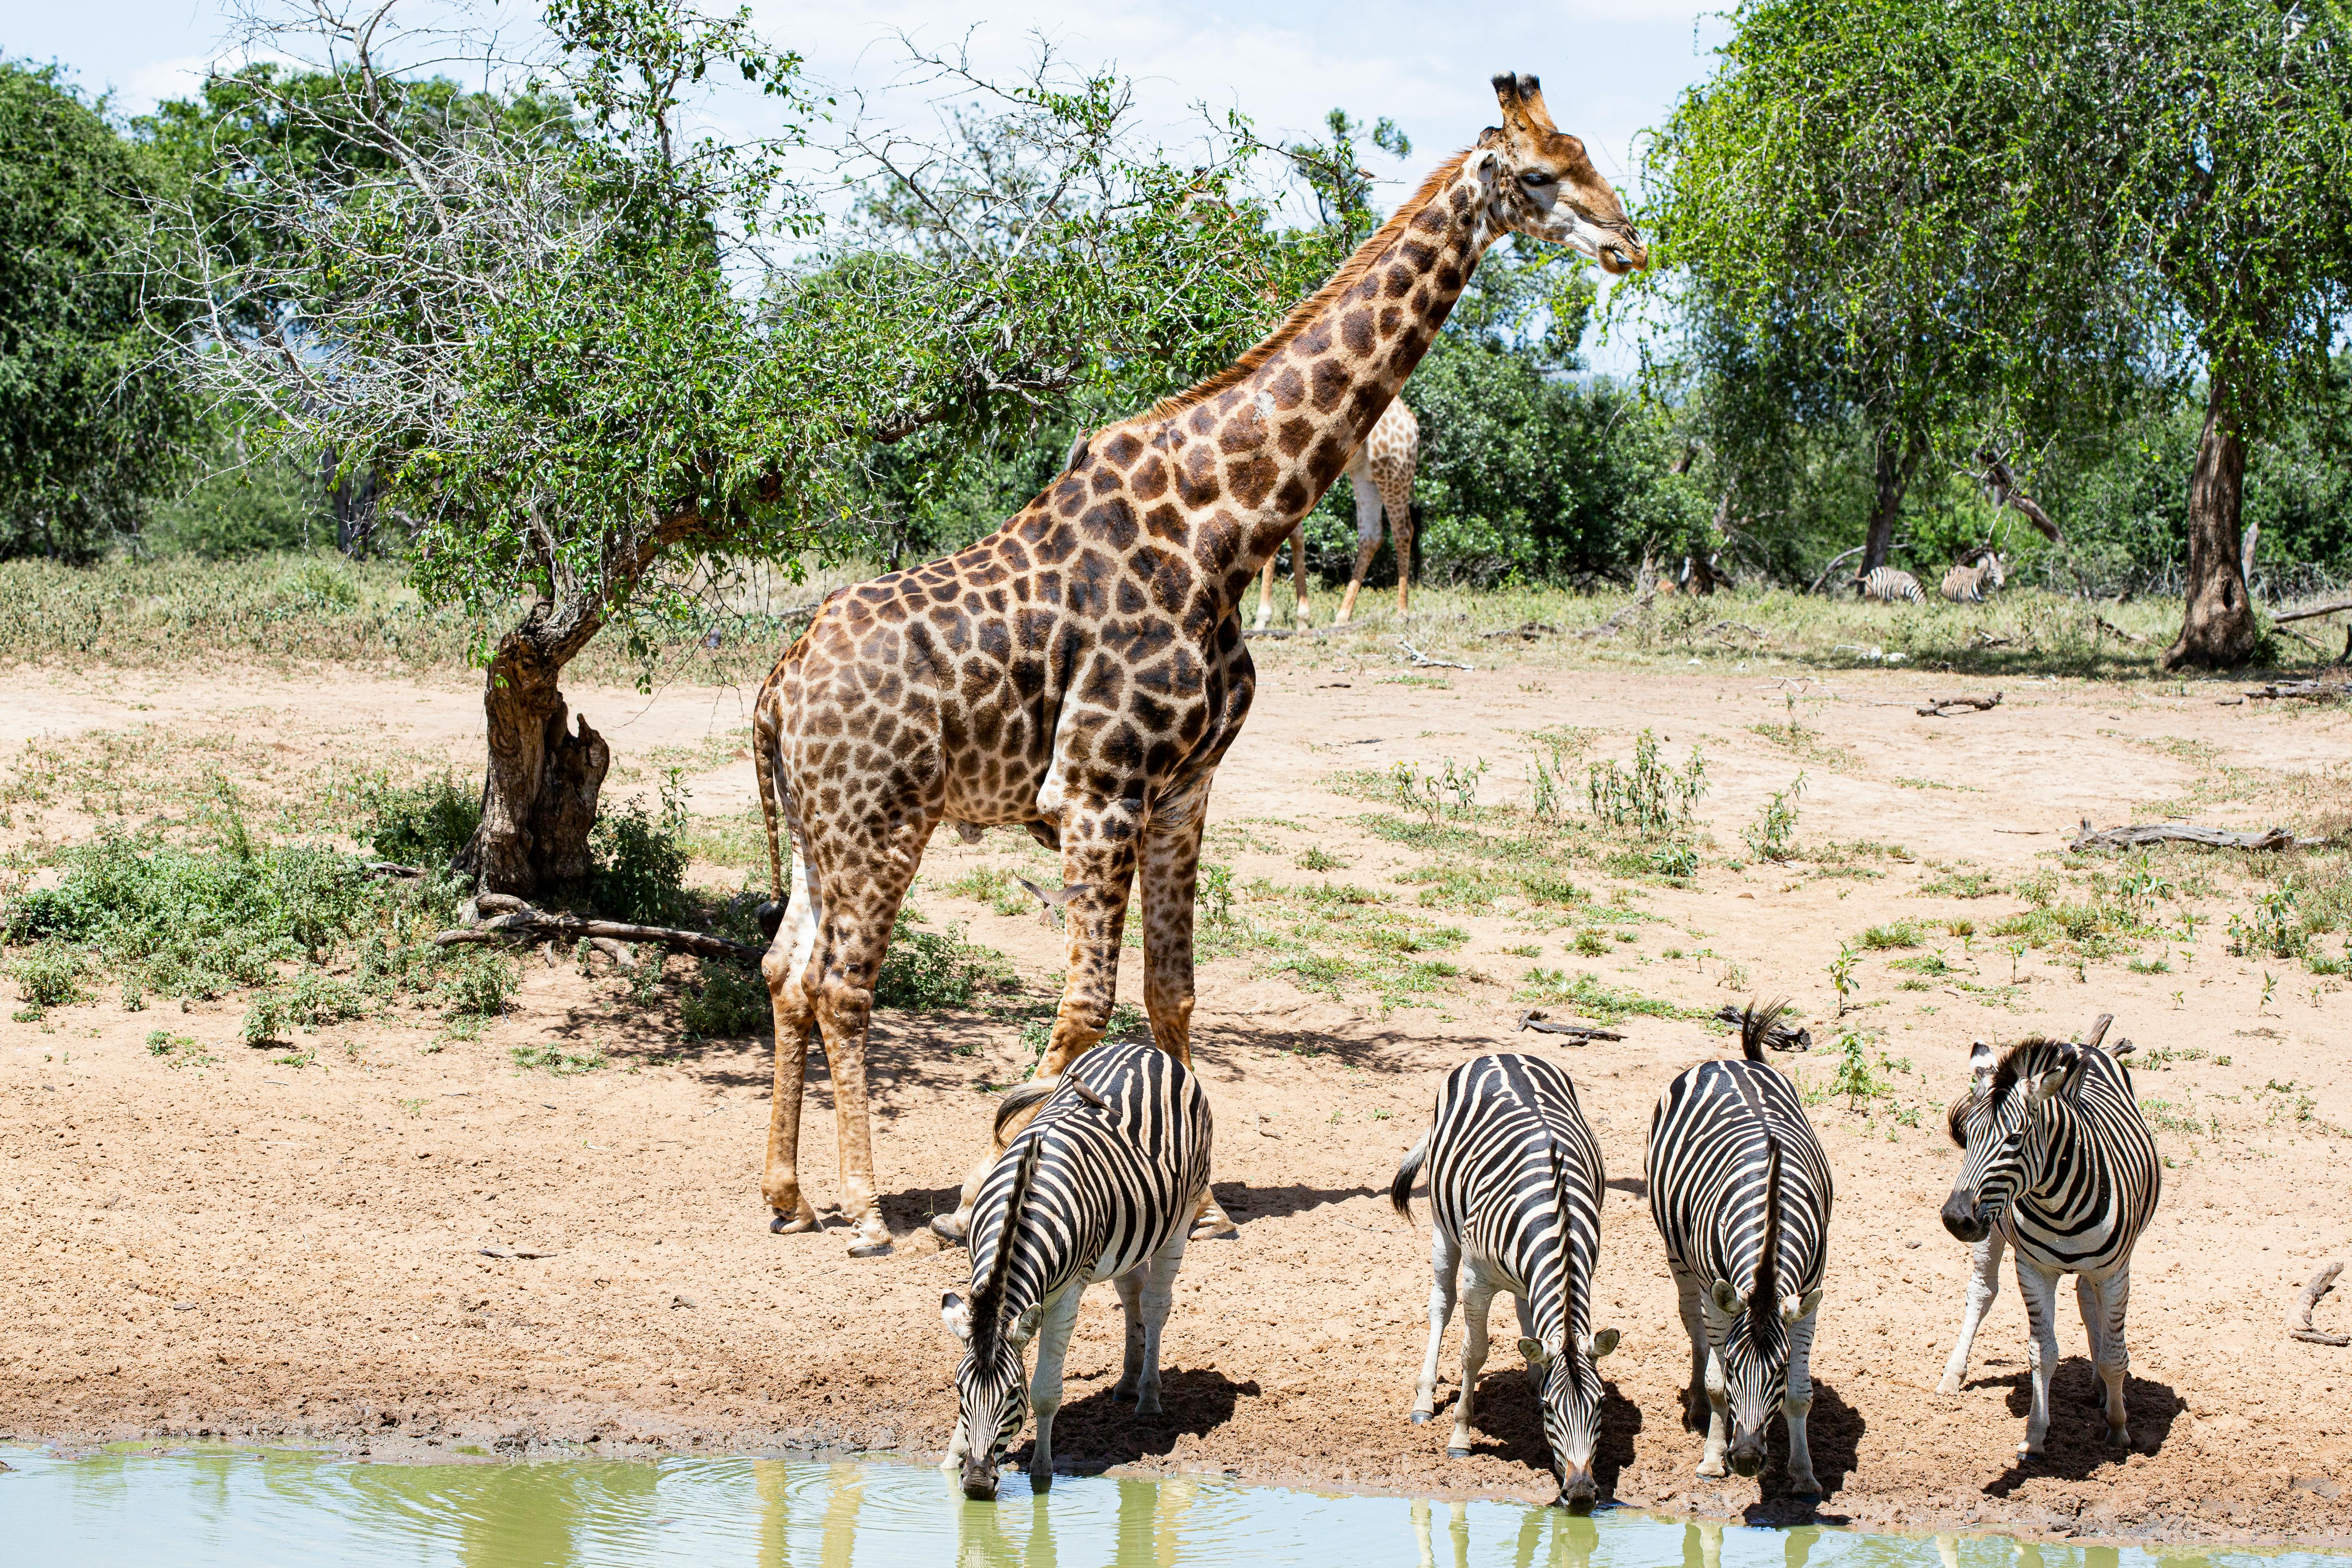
1351 273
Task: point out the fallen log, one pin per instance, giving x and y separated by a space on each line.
2316 690
1963 702
1614 624
2140 834
2321 1284
2335 608
1542 1024
1423 661
528 924
1526 631
2113 630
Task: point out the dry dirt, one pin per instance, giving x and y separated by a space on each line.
254 1249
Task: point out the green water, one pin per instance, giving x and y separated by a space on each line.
245 1509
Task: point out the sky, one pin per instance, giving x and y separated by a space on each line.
1610 68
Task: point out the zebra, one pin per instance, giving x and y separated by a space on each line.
1514 1186
1740 1190
1967 582
1103 1183
1888 584
2060 1165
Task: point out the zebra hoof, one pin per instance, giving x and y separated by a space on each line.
2118 1437
1457 1453
1422 1417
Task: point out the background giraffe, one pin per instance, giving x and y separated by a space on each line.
1081 672
1381 475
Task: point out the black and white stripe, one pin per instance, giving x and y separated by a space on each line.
1102 1184
1888 584
2060 1166
1967 582
1740 1190
1514 1186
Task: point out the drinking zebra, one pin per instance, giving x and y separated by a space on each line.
1102 1184
1888 584
1740 1190
2061 1167
1966 583
1515 1187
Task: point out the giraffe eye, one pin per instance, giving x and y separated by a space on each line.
1536 177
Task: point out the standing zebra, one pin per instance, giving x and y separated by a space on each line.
1967 582
1514 1190
1740 1190
1102 1184
1888 584
2060 1166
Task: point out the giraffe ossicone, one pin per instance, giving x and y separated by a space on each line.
1081 672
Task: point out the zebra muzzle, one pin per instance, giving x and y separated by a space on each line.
1748 1453
1964 1217
1579 1493
980 1481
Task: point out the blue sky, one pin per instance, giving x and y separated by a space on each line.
1611 67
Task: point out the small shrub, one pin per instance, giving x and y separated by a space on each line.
2273 928
1315 857
476 985
308 1001
936 969
1212 894
1897 933
730 1002
994 885
420 824
1650 798
1590 945
50 976
1773 835
640 872
1679 861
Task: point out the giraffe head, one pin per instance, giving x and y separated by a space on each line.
1546 187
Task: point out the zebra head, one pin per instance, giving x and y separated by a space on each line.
1756 1331
1995 1121
1567 1382
992 1379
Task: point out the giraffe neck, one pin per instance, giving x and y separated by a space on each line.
1255 447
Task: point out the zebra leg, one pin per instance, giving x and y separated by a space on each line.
956 1446
1130 1287
1984 1284
1798 1403
2103 1317
1445 1264
1159 1293
1045 1387
2040 1288
1476 1297
1689 1296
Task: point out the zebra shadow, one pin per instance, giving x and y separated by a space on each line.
1246 1202
2076 1445
1510 1426
1093 1432
1833 1433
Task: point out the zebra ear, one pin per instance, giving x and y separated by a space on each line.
2053 1079
1980 1064
1600 1344
1726 1299
957 1315
1534 1352
1024 1327
1793 1308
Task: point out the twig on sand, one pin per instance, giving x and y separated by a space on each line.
1542 1024
2300 1325
1423 661
1959 702
510 1252
2135 837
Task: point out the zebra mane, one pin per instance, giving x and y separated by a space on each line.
1956 1116
1566 1253
1767 1267
987 1301
2012 1063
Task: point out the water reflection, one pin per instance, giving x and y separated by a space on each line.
242 1510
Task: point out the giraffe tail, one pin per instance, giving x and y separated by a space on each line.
767 764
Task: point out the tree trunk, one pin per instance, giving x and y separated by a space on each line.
539 797
1898 459
2217 623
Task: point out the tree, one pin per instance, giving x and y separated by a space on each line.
91 426
1830 216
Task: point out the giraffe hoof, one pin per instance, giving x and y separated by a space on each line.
2118 1437
871 1249
781 1224
950 1228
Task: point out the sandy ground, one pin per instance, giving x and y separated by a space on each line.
247 1248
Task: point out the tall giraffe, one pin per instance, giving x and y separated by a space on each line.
1081 672
1380 473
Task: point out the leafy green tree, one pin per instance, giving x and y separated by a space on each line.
93 428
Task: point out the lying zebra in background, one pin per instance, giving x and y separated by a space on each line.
2060 1166
1888 584
1514 1186
1103 1184
1740 1190
1967 582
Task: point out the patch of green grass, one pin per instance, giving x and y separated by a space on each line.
556 1060
1960 885
995 886
310 1000
1315 857
1925 963
1590 945
1894 933
1593 997
1905 783
729 1002
925 968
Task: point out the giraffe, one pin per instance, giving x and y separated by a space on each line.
1381 472
1081 672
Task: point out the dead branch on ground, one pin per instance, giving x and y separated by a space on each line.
2143 834
1423 661
2314 690
1959 702
511 920
2300 1325
1780 1036
2335 607
1541 1022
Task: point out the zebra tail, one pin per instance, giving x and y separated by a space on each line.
1036 1091
989 1298
1756 1026
1401 1189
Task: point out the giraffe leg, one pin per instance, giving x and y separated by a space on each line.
1170 870
861 902
1266 593
1396 496
1368 539
1298 572
786 967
